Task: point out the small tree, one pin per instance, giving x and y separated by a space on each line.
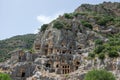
99 49
101 56
113 54
86 24
43 27
58 25
91 55
4 76
98 42
104 20
99 75
68 16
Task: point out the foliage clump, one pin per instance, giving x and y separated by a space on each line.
91 55
4 76
101 56
68 16
43 27
104 20
86 24
99 75
58 25
113 54
98 42
20 41
99 49
110 48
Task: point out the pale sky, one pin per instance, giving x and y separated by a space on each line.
18 17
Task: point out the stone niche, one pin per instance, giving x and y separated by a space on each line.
21 56
50 50
50 43
64 51
65 69
54 50
76 64
79 47
56 65
49 64
37 46
21 72
63 44
18 56
46 49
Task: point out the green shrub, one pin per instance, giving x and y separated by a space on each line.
58 25
101 56
117 24
104 20
91 55
20 41
81 13
4 76
86 24
99 75
118 6
68 16
43 27
99 49
98 42
96 17
76 14
113 53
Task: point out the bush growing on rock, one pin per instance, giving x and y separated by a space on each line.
68 16
58 25
4 76
86 24
91 55
104 20
99 49
99 75
98 42
101 56
113 54
43 27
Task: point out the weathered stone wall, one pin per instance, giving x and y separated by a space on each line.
23 70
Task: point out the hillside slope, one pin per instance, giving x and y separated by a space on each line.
71 45
20 41
80 41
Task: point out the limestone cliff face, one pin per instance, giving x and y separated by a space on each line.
104 8
66 39
73 36
64 44
62 47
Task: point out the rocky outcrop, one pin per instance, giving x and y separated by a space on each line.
108 8
61 48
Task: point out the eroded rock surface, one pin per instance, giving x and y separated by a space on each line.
60 52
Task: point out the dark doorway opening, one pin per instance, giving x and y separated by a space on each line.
57 66
79 48
19 57
23 74
48 65
76 67
77 63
